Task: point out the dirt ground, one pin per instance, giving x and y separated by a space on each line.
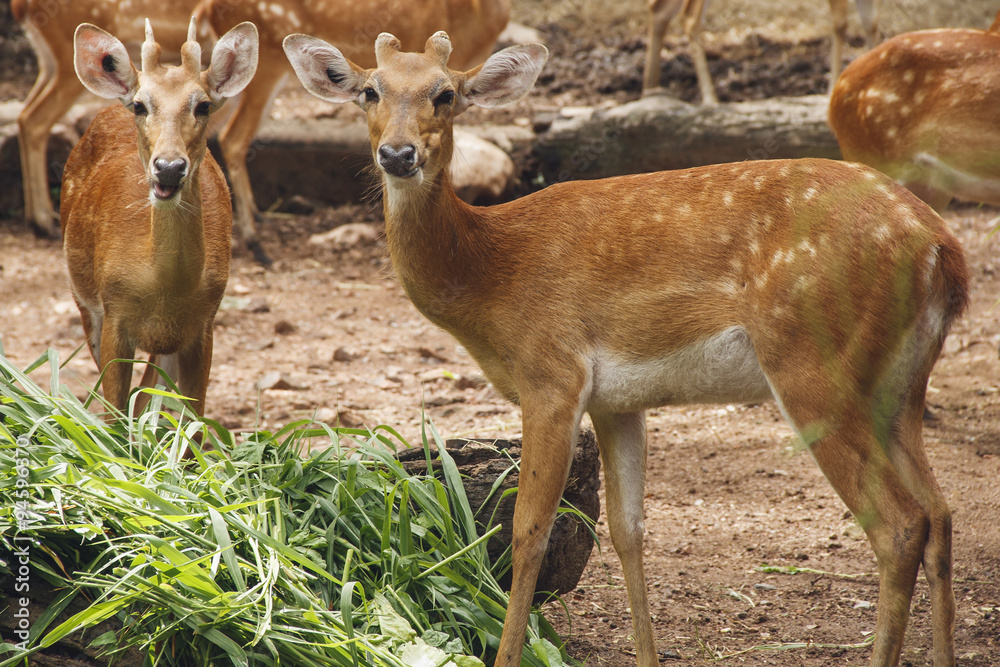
727 488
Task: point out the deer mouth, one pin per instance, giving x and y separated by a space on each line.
165 191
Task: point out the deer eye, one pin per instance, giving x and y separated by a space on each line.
202 108
371 96
139 109
445 98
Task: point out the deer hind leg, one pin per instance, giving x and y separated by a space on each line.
693 13
622 441
871 451
48 101
838 12
235 141
661 13
550 422
152 378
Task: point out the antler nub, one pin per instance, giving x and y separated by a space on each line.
386 46
191 50
440 44
150 50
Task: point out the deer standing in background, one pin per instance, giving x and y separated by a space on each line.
49 27
661 12
146 215
820 284
352 26
922 108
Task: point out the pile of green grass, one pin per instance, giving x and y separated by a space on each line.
251 554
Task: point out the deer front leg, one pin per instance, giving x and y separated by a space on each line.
550 423
235 140
194 366
622 441
118 375
34 124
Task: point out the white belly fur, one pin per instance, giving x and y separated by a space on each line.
719 369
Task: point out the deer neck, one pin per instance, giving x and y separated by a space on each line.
176 243
435 241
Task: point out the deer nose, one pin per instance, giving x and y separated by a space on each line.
398 161
169 173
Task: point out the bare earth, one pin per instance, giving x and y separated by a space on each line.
727 488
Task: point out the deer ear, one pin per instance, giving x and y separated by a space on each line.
506 77
102 64
323 69
234 61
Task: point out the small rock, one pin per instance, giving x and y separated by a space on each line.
284 327
394 374
470 382
862 604
765 587
239 289
435 374
234 303
351 235
343 313
258 305
258 345
345 355
299 205
428 353
276 380
325 415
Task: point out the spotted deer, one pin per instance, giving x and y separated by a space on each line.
352 26
922 108
819 284
145 209
50 26
662 12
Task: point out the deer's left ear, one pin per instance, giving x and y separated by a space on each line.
102 64
505 77
323 70
234 61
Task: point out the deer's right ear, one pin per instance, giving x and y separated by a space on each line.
103 65
323 69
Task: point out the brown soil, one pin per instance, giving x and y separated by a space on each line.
727 490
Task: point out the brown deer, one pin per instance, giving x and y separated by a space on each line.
922 108
662 12
352 26
146 215
49 25
820 284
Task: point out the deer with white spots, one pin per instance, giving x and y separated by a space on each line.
49 26
146 214
662 12
922 108
352 26
822 285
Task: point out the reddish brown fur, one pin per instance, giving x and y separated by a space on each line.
107 229
922 108
586 296
352 26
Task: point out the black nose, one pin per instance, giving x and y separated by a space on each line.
169 174
398 162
